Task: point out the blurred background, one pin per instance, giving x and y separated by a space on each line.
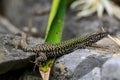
82 16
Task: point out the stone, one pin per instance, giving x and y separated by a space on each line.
95 74
30 75
12 58
111 69
75 65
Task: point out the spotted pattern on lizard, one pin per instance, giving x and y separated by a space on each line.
47 50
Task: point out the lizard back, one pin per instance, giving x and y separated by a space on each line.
64 47
74 44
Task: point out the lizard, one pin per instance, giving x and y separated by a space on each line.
47 50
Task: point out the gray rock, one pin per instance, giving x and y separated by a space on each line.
30 75
111 69
76 64
12 58
95 74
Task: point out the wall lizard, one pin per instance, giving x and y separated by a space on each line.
47 50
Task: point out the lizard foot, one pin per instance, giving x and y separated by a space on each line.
42 58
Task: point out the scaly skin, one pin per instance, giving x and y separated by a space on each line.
47 50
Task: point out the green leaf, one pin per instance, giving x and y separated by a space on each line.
55 24
54 28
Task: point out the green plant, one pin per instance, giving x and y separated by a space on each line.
53 32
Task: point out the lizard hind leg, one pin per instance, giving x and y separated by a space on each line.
41 58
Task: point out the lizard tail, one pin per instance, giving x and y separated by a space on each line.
23 42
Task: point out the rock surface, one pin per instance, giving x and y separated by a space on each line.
75 65
111 69
12 57
95 74
30 75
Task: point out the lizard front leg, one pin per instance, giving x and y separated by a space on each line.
41 58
